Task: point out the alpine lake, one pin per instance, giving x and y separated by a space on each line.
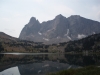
43 63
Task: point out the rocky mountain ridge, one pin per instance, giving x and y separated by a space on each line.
60 29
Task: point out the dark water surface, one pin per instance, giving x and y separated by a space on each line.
43 63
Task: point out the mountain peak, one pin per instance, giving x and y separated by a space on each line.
32 20
60 29
59 16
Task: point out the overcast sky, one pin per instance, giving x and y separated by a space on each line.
14 14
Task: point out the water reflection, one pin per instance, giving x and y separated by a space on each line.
40 64
10 71
43 68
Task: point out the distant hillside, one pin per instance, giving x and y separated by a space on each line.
11 44
90 43
6 36
60 29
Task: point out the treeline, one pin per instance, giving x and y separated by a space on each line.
1 47
23 46
91 43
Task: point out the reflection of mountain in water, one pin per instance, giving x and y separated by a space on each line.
83 60
43 68
44 63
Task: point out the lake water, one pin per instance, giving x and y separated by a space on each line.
43 63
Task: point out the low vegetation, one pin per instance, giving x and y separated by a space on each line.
90 70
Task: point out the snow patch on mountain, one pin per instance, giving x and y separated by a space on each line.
67 32
67 35
80 36
93 32
46 39
69 38
39 33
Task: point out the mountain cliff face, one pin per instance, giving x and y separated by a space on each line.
60 29
31 29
